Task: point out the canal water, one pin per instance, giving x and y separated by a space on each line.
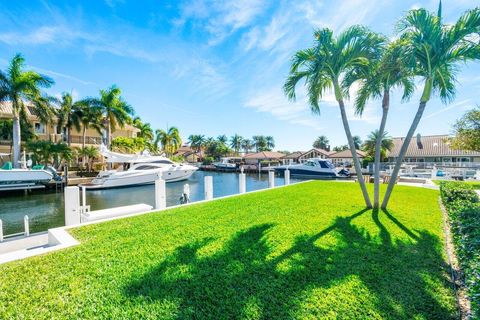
45 209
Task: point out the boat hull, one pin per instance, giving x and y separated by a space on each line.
24 176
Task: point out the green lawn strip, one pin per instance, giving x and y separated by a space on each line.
473 184
307 251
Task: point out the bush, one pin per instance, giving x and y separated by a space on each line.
208 160
463 207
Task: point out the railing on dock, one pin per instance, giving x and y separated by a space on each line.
26 231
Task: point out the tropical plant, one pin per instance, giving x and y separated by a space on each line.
129 145
343 147
47 152
116 111
196 141
20 87
146 131
222 139
90 116
236 142
467 131
323 67
322 142
170 140
385 74
357 141
434 51
247 145
90 153
67 115
370 145
260 143
269 143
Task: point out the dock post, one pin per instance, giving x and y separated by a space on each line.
72 205
186 193
242 185
287 177
160 194
271 179
1 230
208 187
26 225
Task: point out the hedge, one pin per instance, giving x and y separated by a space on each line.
463 207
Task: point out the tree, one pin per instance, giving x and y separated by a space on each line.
434 51
247 145
260 143
370 145
236 142
196 141
89 115
269 143
115 109
20 87
323 67
343 147
377 81
146 131
322 142
68 115
467 131
90 153
357 141
170 140
222 139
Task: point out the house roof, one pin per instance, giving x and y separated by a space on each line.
293 155
264 155
322 151
346 154
428 146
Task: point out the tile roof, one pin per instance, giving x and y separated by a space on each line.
428 146
293 155
264 155
346 154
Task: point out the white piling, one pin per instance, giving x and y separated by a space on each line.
287 177
242 183
271 179
26 225
72 206
186 192
160 194
1 230
208 187
84 197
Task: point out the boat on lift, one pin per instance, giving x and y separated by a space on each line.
227 164
24 178
314 168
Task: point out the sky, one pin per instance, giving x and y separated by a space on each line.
215 67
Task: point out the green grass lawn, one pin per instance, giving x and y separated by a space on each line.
307 251
474 184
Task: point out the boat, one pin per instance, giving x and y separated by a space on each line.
313 168
18 179
226 164
142 169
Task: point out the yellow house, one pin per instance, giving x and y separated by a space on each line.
52 133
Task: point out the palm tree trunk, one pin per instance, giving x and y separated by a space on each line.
402 153
109 134
356 162
17 140
69 134
378 147
84 138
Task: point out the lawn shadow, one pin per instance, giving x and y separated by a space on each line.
245 279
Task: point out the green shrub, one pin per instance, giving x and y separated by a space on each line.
463 206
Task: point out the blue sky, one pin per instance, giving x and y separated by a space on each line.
214 67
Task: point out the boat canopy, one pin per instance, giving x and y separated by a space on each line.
116 157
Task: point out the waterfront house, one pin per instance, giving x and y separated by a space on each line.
188 153
292 158
314 153
432 149
345 157
263 156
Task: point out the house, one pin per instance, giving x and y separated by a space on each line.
292 158
51 132
188 153
314 153
433 149
256 158
345 157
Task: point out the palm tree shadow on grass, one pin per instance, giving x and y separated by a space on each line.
244 278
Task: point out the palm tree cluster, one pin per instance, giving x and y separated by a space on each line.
426 51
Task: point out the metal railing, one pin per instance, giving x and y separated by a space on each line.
26 232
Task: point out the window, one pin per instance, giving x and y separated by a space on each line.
323 165
310 163
146 168
39 128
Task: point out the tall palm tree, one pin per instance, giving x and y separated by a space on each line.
68 115
236 142
247 145
269 143
323 67
115 109
170 140
370 145
89 116
377 81
146 131
196 141
357 141
435 51
322 142
222 139
20 87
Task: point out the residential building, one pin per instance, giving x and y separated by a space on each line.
270 156
345 157
314 153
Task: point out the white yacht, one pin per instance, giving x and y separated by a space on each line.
144 169
226 164
17 179
314 168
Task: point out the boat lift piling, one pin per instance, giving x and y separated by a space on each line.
271 179
287 177
26 224
160 193
1 230
208 187
242 182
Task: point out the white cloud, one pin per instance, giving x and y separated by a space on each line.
460 104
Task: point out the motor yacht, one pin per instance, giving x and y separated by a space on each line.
226 164
314 168
17 179
143 169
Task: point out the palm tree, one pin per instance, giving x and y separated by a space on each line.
90 153
170 140
68 115
236 142
196 141
260 143
322 142
357 141
269 143
324 65
434 51
370 145
146 131
89 116
222 139
247 145
20 87
115 109
389 72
